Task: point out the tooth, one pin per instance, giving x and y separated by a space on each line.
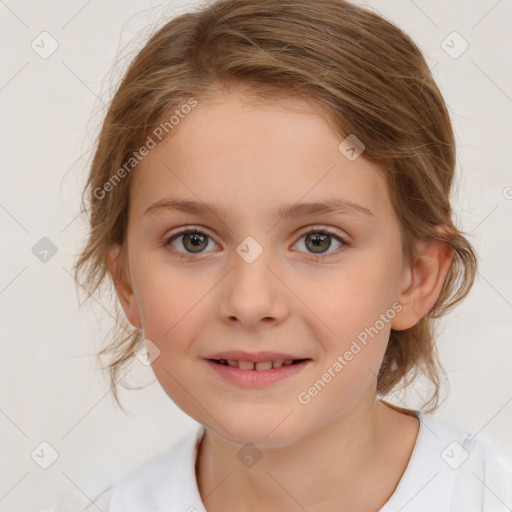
288 362
263 365
246 365
232 362
277 364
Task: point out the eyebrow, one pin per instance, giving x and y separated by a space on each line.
331 206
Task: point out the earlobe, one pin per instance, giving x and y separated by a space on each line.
118 273
423 282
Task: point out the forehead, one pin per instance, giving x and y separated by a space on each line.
249 156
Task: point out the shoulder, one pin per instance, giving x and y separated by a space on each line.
479 472
453 470
166 478
486 475
102 502
462 449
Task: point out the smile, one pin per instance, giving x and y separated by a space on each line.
259 366
248 374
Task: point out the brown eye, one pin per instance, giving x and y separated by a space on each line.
193 241
318 241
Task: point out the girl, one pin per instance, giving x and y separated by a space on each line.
270 198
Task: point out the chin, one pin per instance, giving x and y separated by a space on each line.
261 431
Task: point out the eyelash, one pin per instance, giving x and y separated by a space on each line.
314 229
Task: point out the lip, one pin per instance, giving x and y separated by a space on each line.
254 357
255 378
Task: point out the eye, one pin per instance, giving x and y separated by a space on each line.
193 240
319 239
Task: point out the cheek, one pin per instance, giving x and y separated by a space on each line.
356 309
180 382
167 296
172 312
173 323
352 298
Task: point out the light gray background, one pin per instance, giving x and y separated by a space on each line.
51 110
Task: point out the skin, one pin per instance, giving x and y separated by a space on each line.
249 157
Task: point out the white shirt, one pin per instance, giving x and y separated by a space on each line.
448 471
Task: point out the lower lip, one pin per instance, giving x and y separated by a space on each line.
255 378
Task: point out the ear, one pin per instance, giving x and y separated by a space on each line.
423 282
118 273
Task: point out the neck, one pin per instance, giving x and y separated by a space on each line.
333 465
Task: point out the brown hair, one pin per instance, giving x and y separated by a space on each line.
364 72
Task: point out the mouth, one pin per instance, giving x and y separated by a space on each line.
257 374
257 366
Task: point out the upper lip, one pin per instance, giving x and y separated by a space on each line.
255 357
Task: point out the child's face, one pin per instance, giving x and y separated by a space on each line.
249 159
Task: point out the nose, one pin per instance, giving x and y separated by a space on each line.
254 293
